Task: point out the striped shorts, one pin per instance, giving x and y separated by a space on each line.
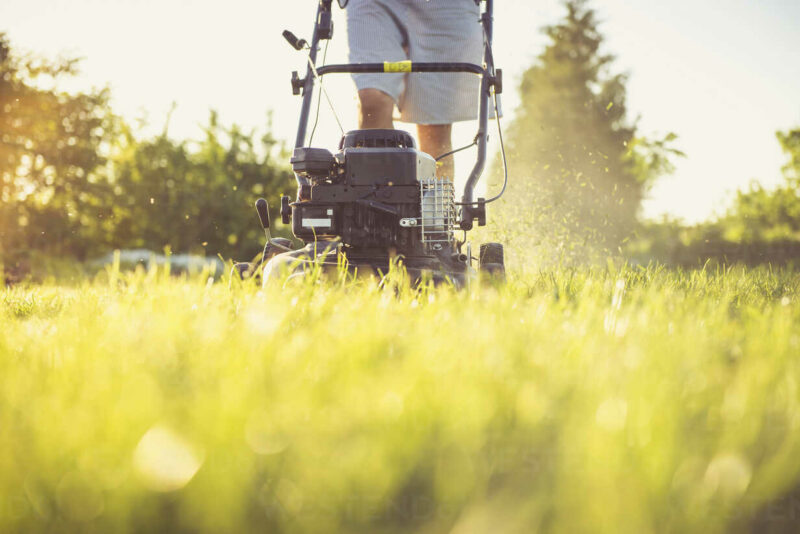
419 30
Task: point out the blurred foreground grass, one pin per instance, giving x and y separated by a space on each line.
632 400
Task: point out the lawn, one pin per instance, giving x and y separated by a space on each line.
622 399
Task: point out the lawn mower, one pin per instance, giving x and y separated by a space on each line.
377 200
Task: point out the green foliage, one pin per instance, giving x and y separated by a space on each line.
650 159
603 400
50 144
195 197
790 142
762 215
76 182
579 168
762 225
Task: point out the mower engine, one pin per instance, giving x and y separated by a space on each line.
378 197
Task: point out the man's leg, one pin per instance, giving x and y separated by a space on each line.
436 139
375 109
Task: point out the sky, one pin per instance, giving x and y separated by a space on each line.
722 74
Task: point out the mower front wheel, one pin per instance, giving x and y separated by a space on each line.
243 270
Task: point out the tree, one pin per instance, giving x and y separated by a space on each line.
790 142
579 169
75 181
50 144
194 196
762 215
761 226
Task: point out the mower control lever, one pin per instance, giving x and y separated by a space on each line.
297 44
263 213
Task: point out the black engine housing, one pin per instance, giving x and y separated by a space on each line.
361 194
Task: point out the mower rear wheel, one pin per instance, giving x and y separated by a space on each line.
492 260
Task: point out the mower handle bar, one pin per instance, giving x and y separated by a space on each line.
400 67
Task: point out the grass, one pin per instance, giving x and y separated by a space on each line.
588 400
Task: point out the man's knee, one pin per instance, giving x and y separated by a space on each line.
435 139
436 134
375 108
